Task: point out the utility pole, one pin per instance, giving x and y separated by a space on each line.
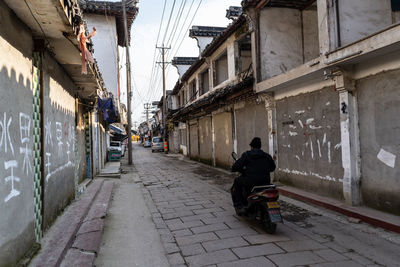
128 83
147 108
164 113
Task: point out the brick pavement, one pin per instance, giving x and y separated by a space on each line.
198 226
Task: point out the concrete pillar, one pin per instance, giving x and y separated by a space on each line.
270 107
213 139
234 130
327 30
230 52
251 18
350 141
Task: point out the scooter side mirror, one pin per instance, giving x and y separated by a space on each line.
234 156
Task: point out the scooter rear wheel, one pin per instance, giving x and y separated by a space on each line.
269 226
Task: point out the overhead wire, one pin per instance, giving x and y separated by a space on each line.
169 21
187 30
177 21
155 47
183 24
173 39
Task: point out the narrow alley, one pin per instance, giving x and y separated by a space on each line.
121 120
189 212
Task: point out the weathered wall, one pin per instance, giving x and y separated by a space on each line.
223 139
59 134
309 142
310 35
183 140
251 121
174 139
205 140
221 68
103 147
16 129
96 143
99 142
80 136
379 121
280 41
361 18
193 140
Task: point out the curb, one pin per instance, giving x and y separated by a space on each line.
343 210
64 231
75 240
87 240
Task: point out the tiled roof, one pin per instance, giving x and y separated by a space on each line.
205 31
233 12
184 60
297 4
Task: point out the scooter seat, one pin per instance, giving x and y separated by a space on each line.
262 187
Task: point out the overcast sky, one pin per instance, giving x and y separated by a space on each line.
144 35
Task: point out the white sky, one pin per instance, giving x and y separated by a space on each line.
144 35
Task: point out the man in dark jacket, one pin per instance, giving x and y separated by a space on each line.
255 166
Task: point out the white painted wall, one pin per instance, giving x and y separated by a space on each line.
202 42
182 69
361 18
231 60
105 49
280 41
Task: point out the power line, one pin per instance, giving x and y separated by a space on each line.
177 20
169 20
195 13
155 49
183 24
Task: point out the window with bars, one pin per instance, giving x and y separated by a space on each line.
220 69
192 90
204 82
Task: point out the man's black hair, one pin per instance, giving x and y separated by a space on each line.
256 142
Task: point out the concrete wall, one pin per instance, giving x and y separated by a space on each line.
99 142
183 139
223 139
309 142
379 121
96 144
245 60
193 140
251 121
280 41
59 134
361 18
105 49
221 68
310 35
205 140
81 142
202 42
174 140
16 177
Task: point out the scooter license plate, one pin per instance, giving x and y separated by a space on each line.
275 215
273 205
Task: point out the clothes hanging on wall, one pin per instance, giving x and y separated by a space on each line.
86 56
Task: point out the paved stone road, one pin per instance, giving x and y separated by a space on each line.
195 219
